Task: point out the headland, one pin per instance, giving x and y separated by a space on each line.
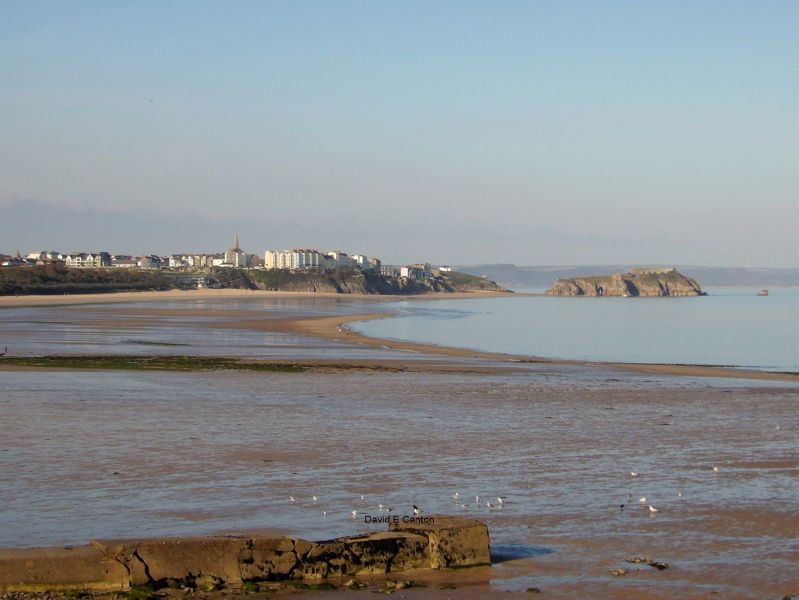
652 281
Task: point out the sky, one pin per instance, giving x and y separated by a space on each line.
461 132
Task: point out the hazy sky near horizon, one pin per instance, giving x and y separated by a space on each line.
527 132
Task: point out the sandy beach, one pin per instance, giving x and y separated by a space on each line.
211 294
119 453
335 327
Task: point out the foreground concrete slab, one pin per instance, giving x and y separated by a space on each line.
60 569
452 541
208 563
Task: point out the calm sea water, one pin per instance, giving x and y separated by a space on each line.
731 327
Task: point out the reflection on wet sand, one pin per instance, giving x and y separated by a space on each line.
116 453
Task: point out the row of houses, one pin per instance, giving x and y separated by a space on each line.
291 259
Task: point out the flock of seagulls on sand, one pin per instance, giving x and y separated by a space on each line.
642 502
498 503
363 506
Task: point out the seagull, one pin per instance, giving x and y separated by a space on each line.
642 499
324 514
314 498
489 505
652 509
715 469
501 500
380 507
679 494
477 499
455 496
633 474
354 514
416 510
292 498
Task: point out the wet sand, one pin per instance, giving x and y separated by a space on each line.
120 454
335 328
213 294
115 454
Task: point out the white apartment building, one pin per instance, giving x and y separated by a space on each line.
88 260
337 258
296 258
279 259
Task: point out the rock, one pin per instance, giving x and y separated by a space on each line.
660 566
636 282
206 563
197 562
270 559
60 569
452 541
374 553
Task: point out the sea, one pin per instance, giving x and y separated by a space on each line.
731 327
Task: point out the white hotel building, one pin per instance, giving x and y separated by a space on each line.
296 258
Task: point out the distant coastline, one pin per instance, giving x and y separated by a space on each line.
52 280
542 276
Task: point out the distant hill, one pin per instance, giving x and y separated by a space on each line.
515 277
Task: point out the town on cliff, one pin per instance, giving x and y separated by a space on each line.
296 269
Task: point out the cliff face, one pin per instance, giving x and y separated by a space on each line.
636 282
351 281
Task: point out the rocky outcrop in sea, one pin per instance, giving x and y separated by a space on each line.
662 281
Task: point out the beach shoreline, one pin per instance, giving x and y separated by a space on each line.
540 431
336 328
219 294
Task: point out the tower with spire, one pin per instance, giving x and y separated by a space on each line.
235 256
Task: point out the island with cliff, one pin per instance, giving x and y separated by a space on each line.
652 281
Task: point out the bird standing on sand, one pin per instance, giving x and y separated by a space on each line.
416 510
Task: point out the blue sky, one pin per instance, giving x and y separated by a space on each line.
454 132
